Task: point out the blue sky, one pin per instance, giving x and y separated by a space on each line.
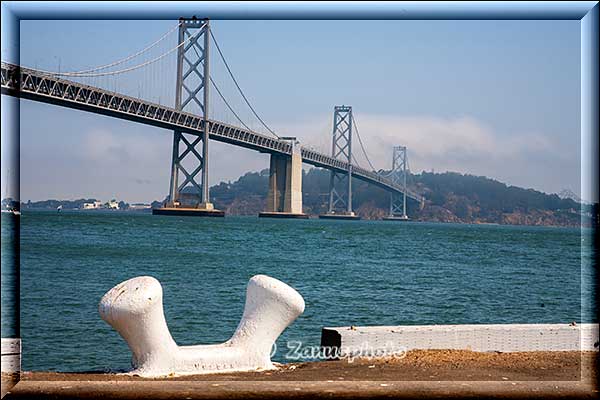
494 98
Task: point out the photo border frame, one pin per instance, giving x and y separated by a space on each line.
587 12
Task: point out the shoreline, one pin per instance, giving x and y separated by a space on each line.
313 216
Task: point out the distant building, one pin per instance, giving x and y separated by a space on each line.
139 206
92 206
113 205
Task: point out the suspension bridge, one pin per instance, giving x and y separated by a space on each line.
193 129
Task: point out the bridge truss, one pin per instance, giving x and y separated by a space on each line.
192 89
39 86
398 176
340 184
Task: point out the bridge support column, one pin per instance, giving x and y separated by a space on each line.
398 176
191 197
284 199
340 183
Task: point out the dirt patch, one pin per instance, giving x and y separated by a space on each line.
421 374
417 365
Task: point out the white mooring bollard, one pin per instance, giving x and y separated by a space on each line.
134 308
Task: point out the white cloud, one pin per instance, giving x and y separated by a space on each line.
129 149
463 144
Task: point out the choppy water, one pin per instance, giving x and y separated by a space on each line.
349 272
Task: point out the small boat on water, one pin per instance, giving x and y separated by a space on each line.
9 205
13 212
59 208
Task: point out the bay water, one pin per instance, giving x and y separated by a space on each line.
349 273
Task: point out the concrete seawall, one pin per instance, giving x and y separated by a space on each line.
499 337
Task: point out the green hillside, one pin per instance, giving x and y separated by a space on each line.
450 197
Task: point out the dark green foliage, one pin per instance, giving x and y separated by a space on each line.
489 194
468 197
250 184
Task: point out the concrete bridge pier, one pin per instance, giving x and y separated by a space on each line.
284 199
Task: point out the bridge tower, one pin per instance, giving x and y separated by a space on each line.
340 183
191 95
398 175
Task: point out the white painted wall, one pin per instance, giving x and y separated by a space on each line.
499 337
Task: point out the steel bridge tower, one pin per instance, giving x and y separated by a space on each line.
191 95
398 176
340 183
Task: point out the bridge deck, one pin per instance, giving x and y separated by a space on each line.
37 86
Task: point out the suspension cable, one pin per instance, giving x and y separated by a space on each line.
221 94
131 56
227 104
239 88
356 161
83 75
122 60
361 143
